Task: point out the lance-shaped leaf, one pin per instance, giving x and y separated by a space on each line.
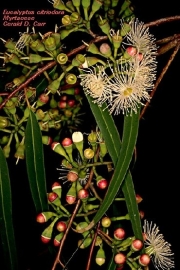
6 222
35 163
116 149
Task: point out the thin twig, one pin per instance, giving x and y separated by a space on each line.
160 78
23 85
92 248
163 20
57 260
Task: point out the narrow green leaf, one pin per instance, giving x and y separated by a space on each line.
112 265
130 197
6 222
112 138
106 124
35 163
130 131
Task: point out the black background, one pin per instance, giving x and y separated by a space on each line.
156 173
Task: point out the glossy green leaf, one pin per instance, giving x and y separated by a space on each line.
35 163
6 222
130 197
130 131
112 265
114 144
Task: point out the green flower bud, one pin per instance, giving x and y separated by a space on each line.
92 48
85 3
57 188
4 122
53 103
19 154
10 106
37 46
111 13
125 5
70 6
34 58
54 199
103 149
40 114
114 3
91 61
43 126
66 20
84 243
45 216
58 238
6 150
75 18
100 257
77 138
18 81
9 44
57 147
50 43
78 60
125 29
14 59
96 5
4 140
54 86
98 241
57 38
59 4
46 140
47 233
104 25
71 194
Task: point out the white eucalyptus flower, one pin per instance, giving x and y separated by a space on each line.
96 83
157 248
130 84
140 38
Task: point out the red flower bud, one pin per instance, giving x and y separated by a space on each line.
70 199
71 103
144 259
45 239
52 196
119 233
102 183
120 258
72 175
61 226
83 194
66 142
137 245
62 104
